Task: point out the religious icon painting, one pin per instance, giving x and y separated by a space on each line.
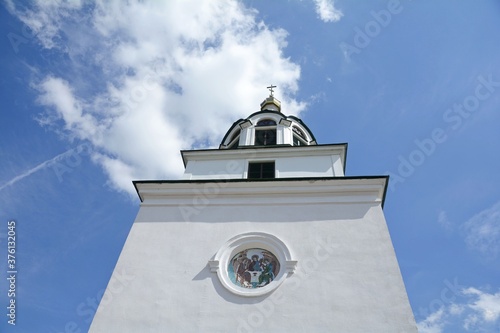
253 268
252 264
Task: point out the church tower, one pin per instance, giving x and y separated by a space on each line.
263 234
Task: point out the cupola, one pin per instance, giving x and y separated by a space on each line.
266 145
271 103
268 128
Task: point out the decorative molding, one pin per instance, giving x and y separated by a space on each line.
285 122
214 265
275 152
246 241
282 191
245 124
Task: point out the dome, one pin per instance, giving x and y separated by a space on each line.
268 128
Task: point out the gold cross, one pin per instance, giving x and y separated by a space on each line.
271 89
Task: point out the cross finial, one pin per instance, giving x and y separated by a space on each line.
271 89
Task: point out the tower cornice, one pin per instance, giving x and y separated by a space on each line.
264 152
284 191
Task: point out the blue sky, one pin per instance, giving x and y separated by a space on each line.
96 95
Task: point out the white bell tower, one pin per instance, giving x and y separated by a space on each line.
264 234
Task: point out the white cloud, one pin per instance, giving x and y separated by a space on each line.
456 309
147 79
487 305
482 232
327 12
58 94
434 323
474 310
46 18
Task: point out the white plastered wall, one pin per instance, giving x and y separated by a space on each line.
291 162
347 277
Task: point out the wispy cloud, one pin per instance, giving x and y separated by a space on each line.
482 232
444 221
434 323
327 12
475 311
143 80
484 304
39 167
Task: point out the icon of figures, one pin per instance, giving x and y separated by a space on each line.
253 268
255 271
267 274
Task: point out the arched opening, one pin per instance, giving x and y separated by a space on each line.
265 133
299 139
235 140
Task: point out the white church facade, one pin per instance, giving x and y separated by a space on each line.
263 234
